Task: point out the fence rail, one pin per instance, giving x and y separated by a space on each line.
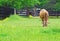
51 13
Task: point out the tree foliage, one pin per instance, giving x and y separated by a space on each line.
43 3
50 4
57 5
19 3
30 3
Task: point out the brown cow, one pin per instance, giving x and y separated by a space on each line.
44 16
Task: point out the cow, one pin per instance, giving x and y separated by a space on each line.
44 14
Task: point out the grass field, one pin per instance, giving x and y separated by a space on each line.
17 28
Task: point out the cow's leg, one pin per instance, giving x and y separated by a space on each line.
46 20
43 22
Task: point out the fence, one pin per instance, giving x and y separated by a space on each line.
51 13
5 12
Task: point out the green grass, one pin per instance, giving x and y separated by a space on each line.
17 28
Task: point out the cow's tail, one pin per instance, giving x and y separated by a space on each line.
45 16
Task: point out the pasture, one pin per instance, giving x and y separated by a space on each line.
17 28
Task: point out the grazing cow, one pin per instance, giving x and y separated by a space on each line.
44 16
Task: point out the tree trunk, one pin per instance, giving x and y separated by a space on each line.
34 11
57 14
27 12
14 11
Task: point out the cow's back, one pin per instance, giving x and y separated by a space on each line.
43 12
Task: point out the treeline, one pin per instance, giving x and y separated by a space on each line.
50 4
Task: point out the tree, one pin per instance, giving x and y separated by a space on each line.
18 4
57 5
44 3
29 4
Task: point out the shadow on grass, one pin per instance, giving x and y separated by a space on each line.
54 17
3 35
56 30
24 16
52 31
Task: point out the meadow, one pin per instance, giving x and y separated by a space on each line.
18 28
